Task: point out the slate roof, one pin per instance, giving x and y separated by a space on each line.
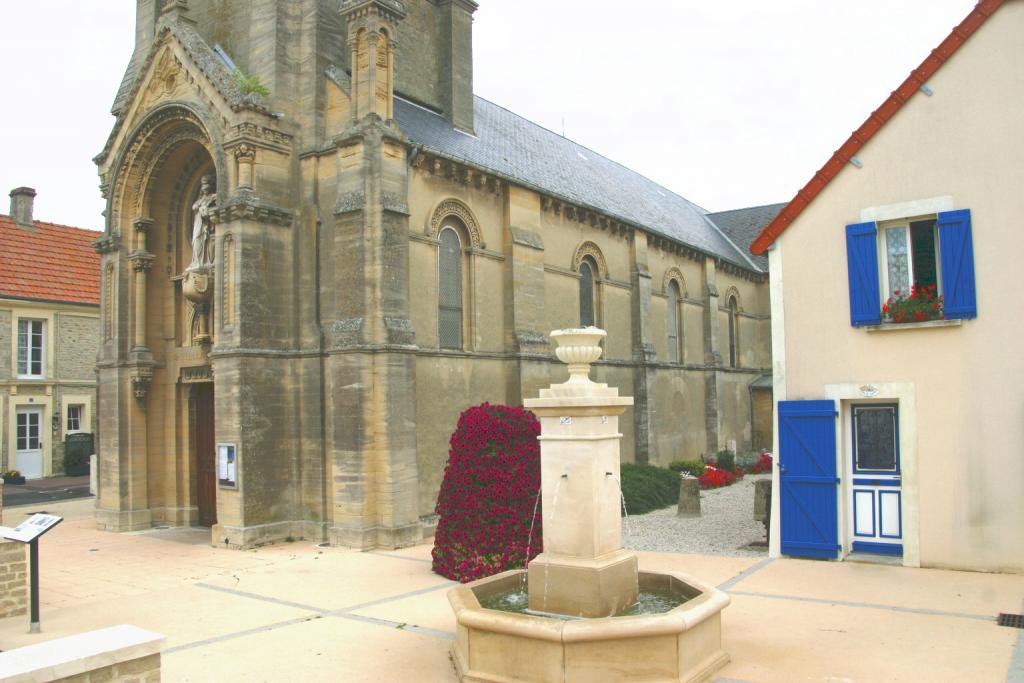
52 263
742 226
532 156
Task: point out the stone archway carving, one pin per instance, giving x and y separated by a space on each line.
590 249
162 129
453 207
733 293
671 274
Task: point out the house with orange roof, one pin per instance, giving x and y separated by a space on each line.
896 321
49 338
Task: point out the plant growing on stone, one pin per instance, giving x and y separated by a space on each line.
488 497
249 85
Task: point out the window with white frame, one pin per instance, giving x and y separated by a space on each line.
907 265
910 257
76 414
31 340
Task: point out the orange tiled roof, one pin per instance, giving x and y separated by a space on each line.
917 78
53 263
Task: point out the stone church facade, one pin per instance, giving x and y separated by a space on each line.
321 248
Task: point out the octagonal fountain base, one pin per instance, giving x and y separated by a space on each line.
681 644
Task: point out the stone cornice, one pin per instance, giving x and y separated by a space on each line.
247 206
107 244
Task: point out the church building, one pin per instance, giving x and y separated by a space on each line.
321 247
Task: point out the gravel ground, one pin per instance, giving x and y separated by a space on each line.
726 525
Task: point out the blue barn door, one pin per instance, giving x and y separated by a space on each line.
807 477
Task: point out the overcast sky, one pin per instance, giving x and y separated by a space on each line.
730 104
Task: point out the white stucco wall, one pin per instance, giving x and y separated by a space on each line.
966 141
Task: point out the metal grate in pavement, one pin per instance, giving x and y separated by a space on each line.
1011 620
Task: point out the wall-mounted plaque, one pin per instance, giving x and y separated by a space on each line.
227 465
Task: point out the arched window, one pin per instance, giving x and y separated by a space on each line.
674 322
734 341
449 290
587 317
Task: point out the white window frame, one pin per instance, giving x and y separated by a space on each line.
80 409
883 254
42 349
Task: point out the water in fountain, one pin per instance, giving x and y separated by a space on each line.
554 506
625 513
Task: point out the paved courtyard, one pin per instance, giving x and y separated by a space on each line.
300 612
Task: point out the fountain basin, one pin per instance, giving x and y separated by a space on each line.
682 644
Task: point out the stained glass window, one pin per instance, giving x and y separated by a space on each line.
449 287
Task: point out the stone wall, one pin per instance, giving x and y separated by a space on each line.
13 579
6 361
77 345
119 654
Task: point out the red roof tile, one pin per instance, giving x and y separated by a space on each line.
860 137
53 263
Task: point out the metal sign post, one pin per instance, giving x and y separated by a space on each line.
29 532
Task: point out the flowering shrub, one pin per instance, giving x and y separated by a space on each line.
487 500
763 464
715 477
922 304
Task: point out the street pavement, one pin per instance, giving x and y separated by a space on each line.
299 612
37 491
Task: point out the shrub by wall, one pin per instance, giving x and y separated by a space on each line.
488 495
694 468
646 487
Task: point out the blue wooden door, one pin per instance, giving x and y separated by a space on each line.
807 478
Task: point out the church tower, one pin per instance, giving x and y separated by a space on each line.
257 373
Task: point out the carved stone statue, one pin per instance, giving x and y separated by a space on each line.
202 225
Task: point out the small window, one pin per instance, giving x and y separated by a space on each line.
734 322
30 348
911 257
449 288
75 418
587 318
912 270
675 333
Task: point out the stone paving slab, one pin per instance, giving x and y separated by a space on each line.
299 612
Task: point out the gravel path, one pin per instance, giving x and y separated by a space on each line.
726 525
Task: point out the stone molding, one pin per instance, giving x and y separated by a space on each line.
142 261
349 202
733 292
527 238
674 273
588 248
107 243
453 207
244 205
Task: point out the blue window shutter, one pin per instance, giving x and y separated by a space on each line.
862 268
957 250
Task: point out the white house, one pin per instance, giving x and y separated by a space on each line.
901 416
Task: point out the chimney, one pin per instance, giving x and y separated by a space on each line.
456 60
21 206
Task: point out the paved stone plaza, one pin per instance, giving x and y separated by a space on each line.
299 612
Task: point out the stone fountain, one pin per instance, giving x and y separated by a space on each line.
589 615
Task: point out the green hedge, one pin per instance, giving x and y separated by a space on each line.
694 468
646 488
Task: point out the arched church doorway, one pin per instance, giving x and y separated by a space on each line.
164 324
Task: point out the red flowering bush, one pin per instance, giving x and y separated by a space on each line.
715 477
763 464
488 496
922 304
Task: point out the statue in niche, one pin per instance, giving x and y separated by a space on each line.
202 224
